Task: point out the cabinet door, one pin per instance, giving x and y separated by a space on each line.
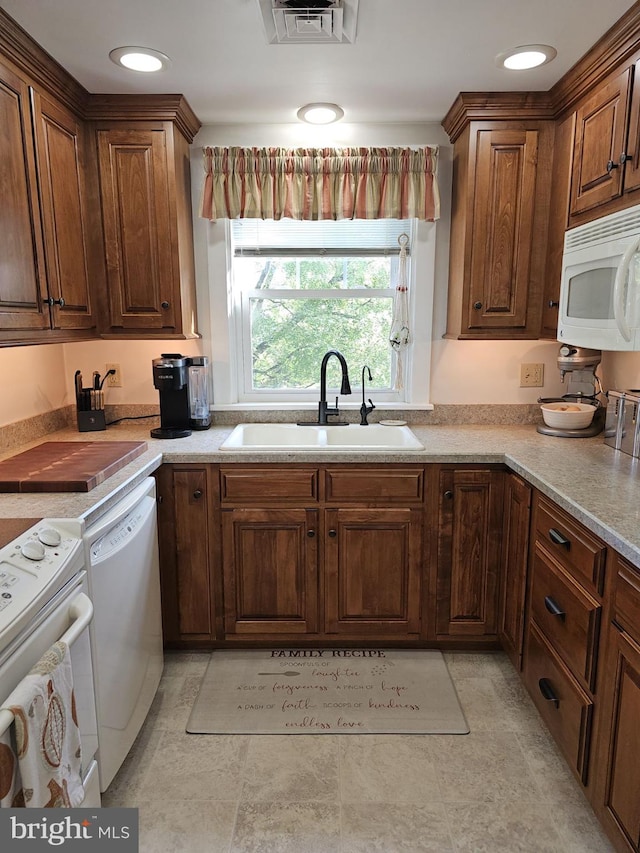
619 765
503 225
469 539
23 286
601 133
517 514
270 559
632 151
185 553
372 571
59 148
140 242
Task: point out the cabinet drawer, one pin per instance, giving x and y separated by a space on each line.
564 706
257 484
567 615
627 598
374 484
579 552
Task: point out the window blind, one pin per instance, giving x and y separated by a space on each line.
298 238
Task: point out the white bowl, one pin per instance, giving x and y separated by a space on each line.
567 415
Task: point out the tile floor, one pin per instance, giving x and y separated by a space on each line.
501 789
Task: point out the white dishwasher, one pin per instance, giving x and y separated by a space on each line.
126 632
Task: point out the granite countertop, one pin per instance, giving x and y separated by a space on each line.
596 484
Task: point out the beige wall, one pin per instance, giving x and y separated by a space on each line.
35 380
32 381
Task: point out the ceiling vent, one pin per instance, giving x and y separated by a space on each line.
309 21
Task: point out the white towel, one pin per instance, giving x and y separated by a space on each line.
40 754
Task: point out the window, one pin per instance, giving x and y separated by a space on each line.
301 288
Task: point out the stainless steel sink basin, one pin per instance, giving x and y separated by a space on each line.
292 437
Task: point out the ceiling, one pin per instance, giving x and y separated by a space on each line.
409 61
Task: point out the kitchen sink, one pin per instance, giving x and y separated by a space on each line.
303 437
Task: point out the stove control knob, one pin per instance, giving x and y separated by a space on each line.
49 536
32 550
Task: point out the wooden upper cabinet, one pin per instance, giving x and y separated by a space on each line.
23 286
501 250
61 169
502 179
146 212
600 142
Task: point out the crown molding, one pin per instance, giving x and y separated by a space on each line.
617 46
174 108
34 62
496 106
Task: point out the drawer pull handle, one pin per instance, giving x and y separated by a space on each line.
311 533
559 539
547 691
553 608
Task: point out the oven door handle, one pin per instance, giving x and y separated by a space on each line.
81 612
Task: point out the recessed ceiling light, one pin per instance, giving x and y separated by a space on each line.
320 113
526 56
143 59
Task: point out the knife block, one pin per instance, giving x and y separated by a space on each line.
91 421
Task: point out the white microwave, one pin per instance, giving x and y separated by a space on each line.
600 287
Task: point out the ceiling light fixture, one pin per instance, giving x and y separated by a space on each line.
320 113
526 56
143 59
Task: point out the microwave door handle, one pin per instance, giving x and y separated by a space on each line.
622 273
81 612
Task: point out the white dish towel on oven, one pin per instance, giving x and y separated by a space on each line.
40 754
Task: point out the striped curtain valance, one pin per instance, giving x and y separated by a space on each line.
320 183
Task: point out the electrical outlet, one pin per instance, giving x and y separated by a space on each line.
115 380
531 375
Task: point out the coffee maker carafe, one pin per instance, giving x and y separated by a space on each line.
199 415
171 378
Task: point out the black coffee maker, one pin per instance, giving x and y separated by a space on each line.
171 378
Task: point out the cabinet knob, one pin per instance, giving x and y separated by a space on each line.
546 688
197 494
624 157
333 533
448 494
477 305
164 305
51 301
611 166
159 499
553 304
311 533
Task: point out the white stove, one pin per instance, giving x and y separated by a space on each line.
33 568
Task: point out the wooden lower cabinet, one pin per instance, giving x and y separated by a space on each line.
372 571
468 553
617 777
270 570
619 759
187 503
517 516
